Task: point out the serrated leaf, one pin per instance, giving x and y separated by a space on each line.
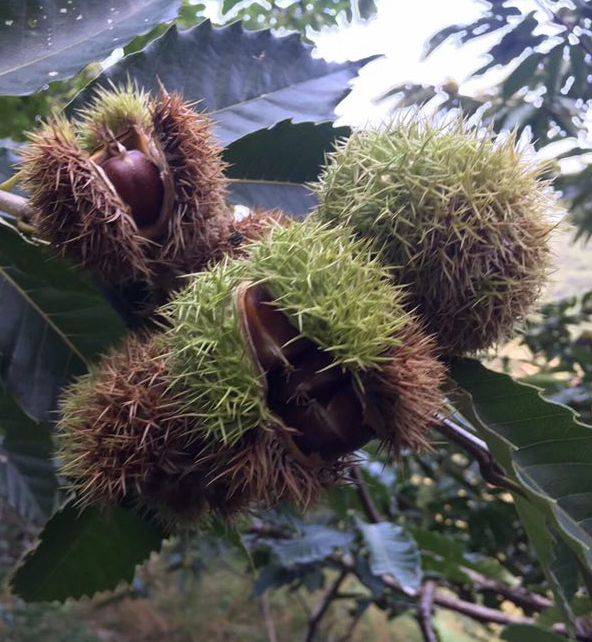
392 551
540 444
47 40
83 553
269 168
246 80
27 478
54 322
313 544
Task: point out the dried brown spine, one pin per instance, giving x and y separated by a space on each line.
200 219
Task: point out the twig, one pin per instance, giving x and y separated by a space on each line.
302 603
517 594
478 449
561 629
425 612
364 494
268 619
323 606
492 616
477 612
354 621
16 205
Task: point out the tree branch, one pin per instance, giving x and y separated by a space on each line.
354 621
517 594
425 612
478 449
323 606
477 612
16 205
268 619
370 508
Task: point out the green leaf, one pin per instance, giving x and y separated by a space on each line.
516 41
313 544
229 5
521 76
526 633
581 606
27 478
544 543
82 553
392 551
54 322
41 42
270 168
553 75
579 68
540 444
246 80
447 556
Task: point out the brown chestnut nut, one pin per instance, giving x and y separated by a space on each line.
275 340
138 183
330 429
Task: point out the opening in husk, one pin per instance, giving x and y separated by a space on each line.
321 402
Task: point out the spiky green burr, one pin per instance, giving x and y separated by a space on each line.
330 287
460 217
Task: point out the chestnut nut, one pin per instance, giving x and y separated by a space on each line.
137 181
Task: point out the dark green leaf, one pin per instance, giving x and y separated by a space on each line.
47 40
392 551
522 75
27 478
466 32
54 322
246 80
579 69
82 553
269 168
540 444
543 542
553 75
447 556
518 39
581 606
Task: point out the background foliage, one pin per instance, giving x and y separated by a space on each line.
510 562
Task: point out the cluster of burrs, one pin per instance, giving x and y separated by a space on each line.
291 344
